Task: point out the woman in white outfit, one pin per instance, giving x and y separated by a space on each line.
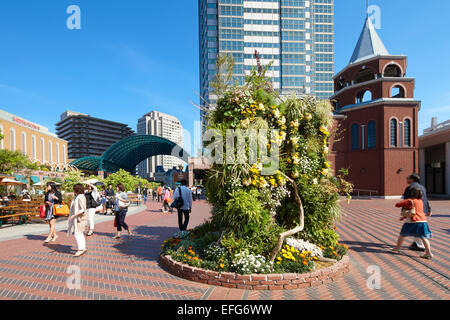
92 202
78 219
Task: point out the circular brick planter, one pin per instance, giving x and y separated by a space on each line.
286 281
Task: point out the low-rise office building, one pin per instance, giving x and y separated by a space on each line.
434 158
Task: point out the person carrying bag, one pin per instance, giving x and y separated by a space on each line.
92 203
121 210
182 201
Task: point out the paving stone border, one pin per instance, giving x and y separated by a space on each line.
286 281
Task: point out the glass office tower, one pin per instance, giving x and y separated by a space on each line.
297 35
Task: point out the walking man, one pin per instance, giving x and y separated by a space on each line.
145 194
414 182
185 210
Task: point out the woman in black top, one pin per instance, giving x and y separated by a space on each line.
51 197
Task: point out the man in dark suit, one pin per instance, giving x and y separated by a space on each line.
414 182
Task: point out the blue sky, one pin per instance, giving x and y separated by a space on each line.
134 56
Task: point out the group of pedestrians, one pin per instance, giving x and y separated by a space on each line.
415 210
83 207
88 199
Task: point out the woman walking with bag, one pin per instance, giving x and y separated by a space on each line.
121 209
416 224
51 197
92 202
166 200
78 219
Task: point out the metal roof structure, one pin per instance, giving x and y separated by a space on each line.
129 152
369 44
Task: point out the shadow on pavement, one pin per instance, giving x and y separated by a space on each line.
145 244
54 246
367 247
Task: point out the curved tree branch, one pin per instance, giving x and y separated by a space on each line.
297 229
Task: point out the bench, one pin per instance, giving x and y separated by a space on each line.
134 199
22 218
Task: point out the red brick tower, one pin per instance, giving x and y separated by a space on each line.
377 118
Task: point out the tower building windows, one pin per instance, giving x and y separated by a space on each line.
371 135
398 91
364 75
407 133
394 132
363 96
392 71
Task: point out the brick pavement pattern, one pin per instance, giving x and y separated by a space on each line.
129 268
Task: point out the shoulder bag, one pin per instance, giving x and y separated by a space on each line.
409 213
179 202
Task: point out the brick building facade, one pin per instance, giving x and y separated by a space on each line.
376 134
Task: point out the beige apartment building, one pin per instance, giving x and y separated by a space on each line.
33 140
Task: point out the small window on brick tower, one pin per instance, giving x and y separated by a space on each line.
363 96
364 75
394 133
392 71
371 135
407 132
397 92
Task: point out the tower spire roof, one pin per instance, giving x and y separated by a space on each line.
369 43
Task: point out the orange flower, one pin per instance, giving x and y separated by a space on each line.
305 263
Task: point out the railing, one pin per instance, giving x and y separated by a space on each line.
440 126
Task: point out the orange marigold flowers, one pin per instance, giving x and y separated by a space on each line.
305 263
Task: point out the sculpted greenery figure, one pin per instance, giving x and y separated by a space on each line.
254 212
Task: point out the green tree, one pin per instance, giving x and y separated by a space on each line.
123 177
11 161
72 178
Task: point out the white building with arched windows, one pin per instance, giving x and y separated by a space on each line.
33 140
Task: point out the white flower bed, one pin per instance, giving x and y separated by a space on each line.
302 245
245 263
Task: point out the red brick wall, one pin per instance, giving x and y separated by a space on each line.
287 281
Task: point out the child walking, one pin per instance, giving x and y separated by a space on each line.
417 226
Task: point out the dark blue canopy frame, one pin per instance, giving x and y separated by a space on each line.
129 152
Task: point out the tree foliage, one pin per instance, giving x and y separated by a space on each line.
11 161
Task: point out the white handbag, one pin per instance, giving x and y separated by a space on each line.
123 204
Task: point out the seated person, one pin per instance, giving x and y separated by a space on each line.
26 196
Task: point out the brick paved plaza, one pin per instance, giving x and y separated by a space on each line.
129 269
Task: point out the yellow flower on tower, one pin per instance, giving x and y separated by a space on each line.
281 121
294 124
276 113
245 123
324 131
